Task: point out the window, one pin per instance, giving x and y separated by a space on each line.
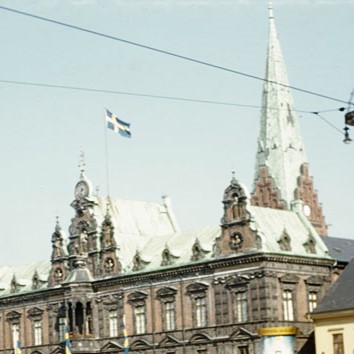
338 344
37 332
200 310
62 323
312 300
15 329
170 316
137 301
167 297
140 317
221 304
240 307
288 308
113 324
198 297
243 350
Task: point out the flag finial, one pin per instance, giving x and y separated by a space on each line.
82 163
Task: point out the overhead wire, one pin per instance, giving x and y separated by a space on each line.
139 94
161 51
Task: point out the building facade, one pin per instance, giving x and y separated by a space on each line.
211 290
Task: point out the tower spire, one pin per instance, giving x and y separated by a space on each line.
281 158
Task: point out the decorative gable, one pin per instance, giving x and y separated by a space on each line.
198 252
138 262
168 341
237 235
167 257
312 208
140 345
111 347
310 245
199 338
266 193
285 241
241 334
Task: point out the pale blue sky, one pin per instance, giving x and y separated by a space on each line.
185 150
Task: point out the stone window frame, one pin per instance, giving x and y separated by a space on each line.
110 305
14 320
221 301
35 315
314 285
238 285
167 296
113 323
289 284
61 328
138 301
197 293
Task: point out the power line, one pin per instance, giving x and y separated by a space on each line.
161 51
138 94
326 121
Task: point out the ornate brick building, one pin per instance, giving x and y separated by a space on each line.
204 291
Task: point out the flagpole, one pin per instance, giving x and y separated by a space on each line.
106 156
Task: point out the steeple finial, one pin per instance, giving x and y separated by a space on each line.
270 8
82 163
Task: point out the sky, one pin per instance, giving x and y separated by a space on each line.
183 149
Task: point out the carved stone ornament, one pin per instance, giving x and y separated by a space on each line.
35 313
166 294
109 265
58 275
137 298
236 241
13 317
197 290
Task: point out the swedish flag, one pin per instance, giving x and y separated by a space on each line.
18 347
67 342
116 124
125 335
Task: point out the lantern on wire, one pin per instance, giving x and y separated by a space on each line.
349 118
347 139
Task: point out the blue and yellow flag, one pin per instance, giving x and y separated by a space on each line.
117 125
125 335
18 347
67 342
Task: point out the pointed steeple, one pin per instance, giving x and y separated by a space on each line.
281 158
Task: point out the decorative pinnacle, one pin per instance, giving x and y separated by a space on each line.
57 224
270 8
82 163
233 179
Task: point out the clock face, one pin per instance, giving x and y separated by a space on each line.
82 190
307 210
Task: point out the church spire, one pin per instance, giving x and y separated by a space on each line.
280 159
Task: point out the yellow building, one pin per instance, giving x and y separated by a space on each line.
334 316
